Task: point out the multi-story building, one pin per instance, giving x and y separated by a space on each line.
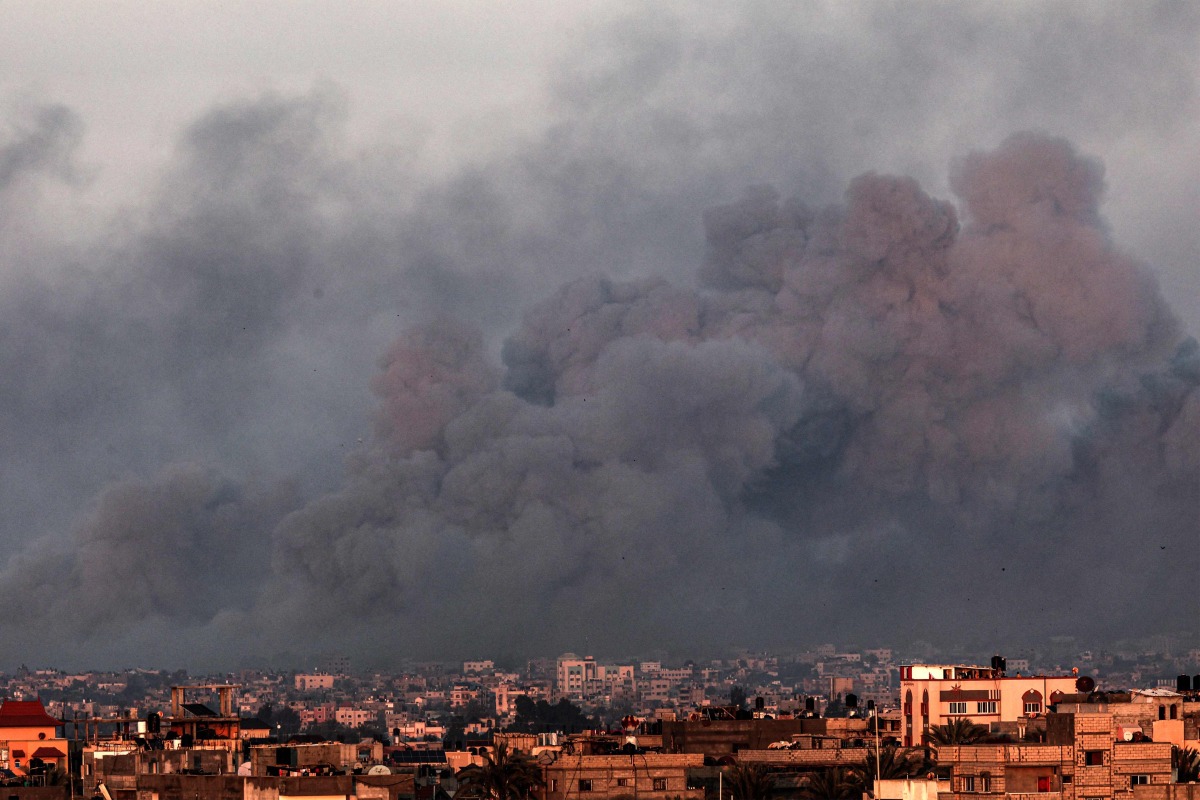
574 673
934 694
353 717
474 667
654 776
1084 757
312 683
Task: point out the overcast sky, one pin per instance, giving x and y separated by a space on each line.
302 304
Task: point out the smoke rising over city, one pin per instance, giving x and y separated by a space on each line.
819 341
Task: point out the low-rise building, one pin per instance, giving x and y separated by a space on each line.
653 776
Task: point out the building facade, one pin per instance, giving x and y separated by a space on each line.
935 694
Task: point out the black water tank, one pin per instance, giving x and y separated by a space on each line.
1183 683
851 701
759 703
810 704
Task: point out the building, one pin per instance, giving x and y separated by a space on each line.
29 737
653 776
934 694
573 674
313 682
476 667
1085 757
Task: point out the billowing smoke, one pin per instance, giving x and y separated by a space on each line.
628 403
871 418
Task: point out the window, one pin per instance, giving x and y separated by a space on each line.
1139 780
968 783
985 783
1033 708
986 707
1094 758
585 785
622 781
660 784
554 784
958 708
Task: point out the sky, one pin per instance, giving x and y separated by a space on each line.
452 329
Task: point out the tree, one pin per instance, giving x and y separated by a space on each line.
542 716
1186 762
829 784
751 782
283 720
958 731
504 775
893 763
737 697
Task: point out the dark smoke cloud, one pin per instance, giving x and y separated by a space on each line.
774 419
868 389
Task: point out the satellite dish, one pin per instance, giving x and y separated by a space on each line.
546 758
1085 683
244 769
379 769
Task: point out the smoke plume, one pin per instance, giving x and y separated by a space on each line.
588 391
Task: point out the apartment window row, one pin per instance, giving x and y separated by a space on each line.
981 783
958 708
1033 708
1139 780
585 784
986 707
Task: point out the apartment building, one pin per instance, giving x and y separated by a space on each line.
313 682
653 776
1084 757
934 694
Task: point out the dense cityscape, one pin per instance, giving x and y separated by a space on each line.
833 721
683 400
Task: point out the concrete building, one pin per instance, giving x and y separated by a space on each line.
313 682
1084 757
573 674
29 734
643 775
934 694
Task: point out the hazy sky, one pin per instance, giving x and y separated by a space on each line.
874 304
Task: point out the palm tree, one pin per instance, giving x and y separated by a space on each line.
958 731
751 782
504 775
830 784
893 763
1186 762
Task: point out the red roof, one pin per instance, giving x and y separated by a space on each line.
26 714
48 752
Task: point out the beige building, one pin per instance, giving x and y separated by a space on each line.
313 683
1157 714
934 694
653 776
1083 758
